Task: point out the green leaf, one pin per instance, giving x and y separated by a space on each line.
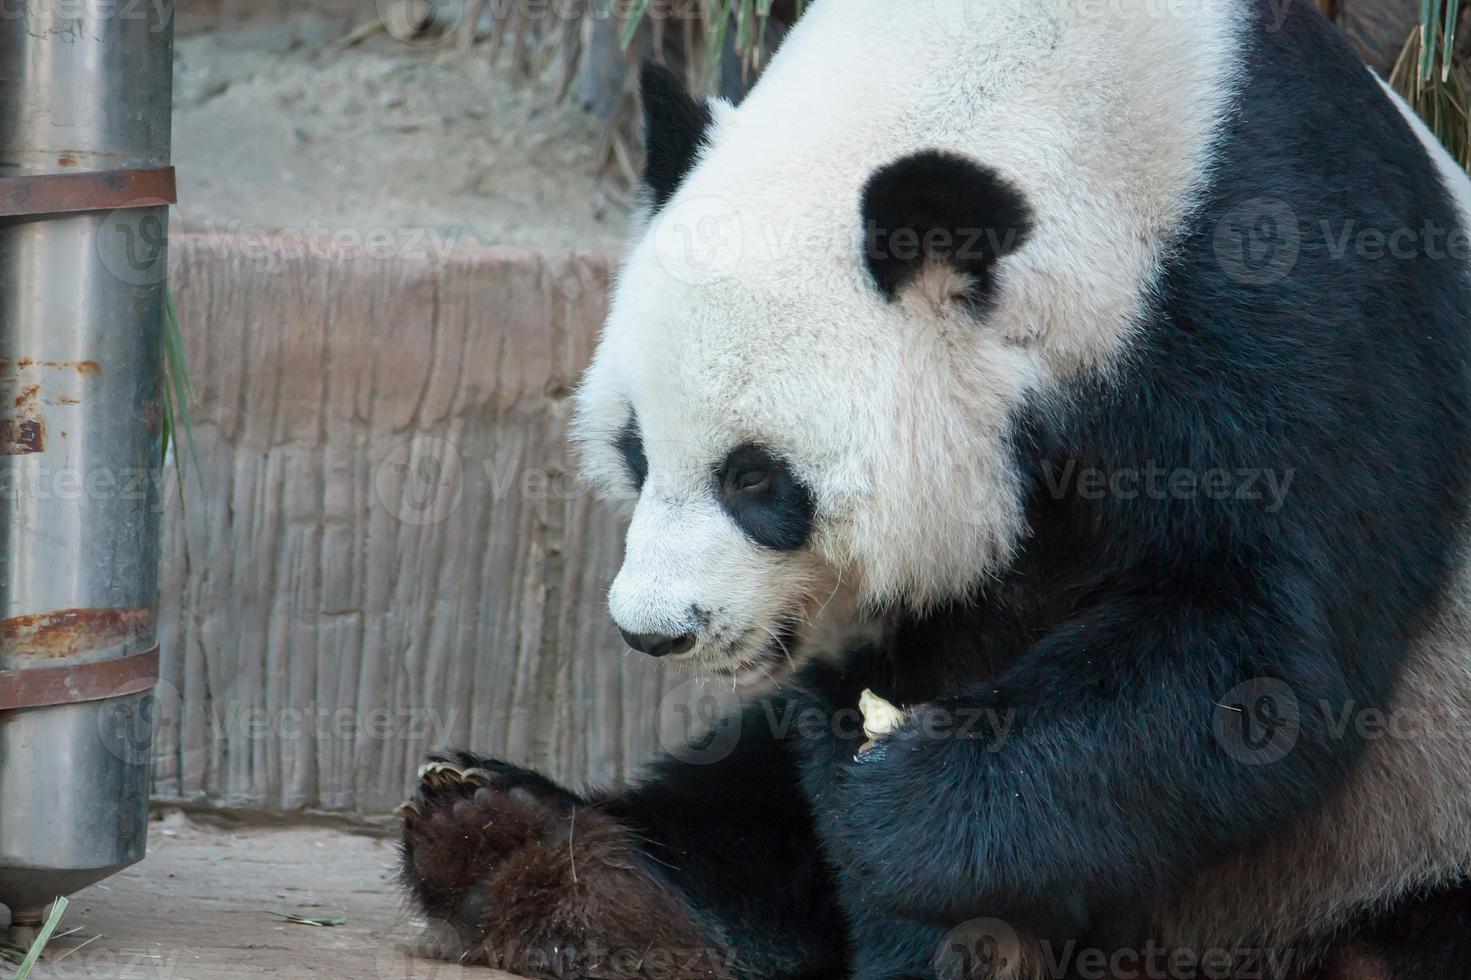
635 17
1448 54
1430 19
303 920
58 909
178 393
715 48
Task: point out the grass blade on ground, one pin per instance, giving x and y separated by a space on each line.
58 909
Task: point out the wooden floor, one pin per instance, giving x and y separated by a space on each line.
199 908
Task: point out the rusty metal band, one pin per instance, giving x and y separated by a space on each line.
103 190
43 686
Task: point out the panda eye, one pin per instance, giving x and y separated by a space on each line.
763 495
752 482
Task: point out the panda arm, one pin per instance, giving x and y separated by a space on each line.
1101 768
728 826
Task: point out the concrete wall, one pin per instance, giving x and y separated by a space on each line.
386 549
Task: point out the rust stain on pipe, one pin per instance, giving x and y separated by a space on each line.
21 437
23 430
10 365
67 632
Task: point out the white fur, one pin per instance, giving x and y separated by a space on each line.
744 310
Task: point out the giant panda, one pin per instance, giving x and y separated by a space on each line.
1091 380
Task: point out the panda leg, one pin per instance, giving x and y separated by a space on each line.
710 868
515 873
1425 937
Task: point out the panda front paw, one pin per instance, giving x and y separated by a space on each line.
468 817
511 869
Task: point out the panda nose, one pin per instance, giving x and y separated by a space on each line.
656 645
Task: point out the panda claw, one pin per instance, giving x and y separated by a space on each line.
478 777
440 774
410 811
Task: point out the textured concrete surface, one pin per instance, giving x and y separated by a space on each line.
386 548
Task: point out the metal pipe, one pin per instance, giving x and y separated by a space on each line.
84 87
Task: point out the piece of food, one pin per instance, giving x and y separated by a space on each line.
879 718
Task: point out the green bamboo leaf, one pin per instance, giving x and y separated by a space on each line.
168 418
1430 19
744 17
1448 34
721 20
58 909
178 392
635 18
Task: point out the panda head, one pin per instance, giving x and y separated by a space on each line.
806 427
828 322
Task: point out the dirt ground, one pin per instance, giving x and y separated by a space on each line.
200 907
279 125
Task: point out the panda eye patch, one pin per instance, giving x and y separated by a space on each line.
631 444
763 495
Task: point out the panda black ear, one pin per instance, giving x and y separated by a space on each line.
675 127
939 209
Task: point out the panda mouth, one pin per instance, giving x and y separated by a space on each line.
746 663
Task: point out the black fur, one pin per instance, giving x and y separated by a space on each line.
730 829
938 207
763 495
630 444
675 127
1423 937
1073 750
